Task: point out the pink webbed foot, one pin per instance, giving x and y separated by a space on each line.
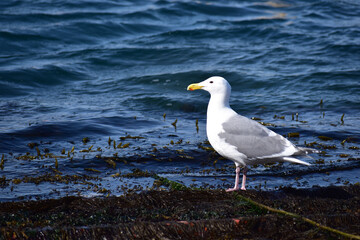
235 189
232 189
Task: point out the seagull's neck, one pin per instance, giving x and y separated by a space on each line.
217 103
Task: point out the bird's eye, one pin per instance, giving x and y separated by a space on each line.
211 81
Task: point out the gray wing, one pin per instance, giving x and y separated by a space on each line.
252 139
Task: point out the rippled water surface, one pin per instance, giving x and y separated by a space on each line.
89 91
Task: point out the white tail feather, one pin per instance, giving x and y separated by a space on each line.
294 160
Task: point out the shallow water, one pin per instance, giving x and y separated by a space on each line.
101 69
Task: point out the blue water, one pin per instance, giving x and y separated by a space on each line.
100 69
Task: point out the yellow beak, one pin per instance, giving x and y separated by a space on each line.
194 86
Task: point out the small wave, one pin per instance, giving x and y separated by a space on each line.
124 124
23 36
216 9
48 75
141 16
59 130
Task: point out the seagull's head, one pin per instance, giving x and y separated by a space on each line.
214 85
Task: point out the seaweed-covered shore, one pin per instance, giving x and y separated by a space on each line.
187 214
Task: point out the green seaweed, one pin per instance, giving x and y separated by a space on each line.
131 137
27 156
88 150
2 162
354 148
111 163
342 118
32 145
267 124
174 123
3 182
293 135
279 117
256 118
57 177
210 149
325 138
92 170
137 173
126 145
320 161
168 183
38 151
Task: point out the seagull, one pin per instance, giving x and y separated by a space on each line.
240 139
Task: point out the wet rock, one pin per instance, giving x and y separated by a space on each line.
185 214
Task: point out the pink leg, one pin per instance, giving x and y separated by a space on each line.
244 178
236 187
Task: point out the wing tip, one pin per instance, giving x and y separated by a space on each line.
305 150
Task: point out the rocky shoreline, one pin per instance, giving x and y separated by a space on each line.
188 214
